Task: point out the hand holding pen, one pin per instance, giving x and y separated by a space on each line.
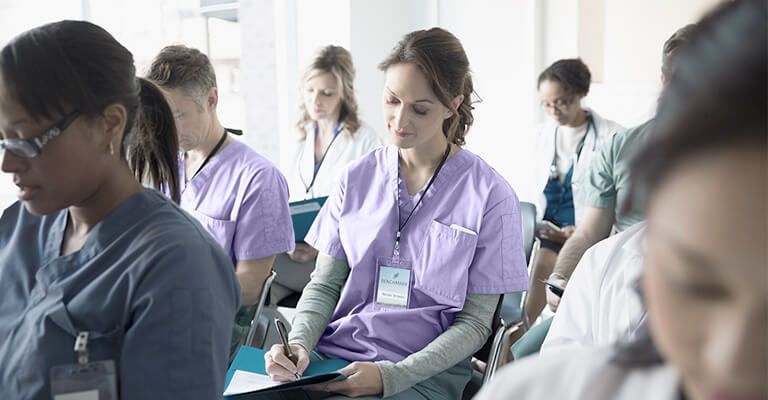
285 362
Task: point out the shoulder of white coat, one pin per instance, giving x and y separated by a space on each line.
605 126
600 258
367 138
545 132
374 161
609 244
365 132
559 375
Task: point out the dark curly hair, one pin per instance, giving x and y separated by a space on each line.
572 74
79 65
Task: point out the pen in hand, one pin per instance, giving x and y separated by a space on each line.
286 348
557 290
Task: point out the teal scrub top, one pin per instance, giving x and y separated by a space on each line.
155 292
609 181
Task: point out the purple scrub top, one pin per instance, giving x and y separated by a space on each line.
241 199
359 223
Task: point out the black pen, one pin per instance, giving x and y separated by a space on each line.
557 290
286 348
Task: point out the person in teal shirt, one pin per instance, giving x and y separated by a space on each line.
606 195
88 249
603 198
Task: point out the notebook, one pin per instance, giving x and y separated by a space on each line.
248 375
303 214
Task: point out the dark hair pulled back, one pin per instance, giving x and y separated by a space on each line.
76 65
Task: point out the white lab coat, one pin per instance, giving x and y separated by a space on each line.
581 374
600 304
545 150
344 150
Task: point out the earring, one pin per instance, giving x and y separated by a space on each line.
111 149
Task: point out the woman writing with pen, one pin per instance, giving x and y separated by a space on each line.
416 243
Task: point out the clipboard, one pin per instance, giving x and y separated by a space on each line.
303 214
249 363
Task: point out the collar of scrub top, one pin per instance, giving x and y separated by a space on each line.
400 226
553 174
216 148
336 131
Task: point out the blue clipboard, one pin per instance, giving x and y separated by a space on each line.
303 214
251 359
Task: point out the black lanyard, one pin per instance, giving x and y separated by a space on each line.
400 226
316 169
590 124
211 154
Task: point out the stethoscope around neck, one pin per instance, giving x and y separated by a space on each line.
553 174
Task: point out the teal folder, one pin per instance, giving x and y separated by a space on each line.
303 214
251 359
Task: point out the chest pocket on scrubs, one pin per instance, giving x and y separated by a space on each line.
222 231
52 325
442 271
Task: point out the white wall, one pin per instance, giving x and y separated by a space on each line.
377 26
319 23
259 79
498 37
36 12
508 44
368 29
635 32
302 27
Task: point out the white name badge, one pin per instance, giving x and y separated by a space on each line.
393 287
91 381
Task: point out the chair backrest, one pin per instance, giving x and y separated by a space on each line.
249 341
496 324
528 211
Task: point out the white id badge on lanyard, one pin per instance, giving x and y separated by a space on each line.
393 282
84 380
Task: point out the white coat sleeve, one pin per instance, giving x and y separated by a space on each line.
573 324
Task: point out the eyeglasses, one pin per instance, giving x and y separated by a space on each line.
560 104
31 148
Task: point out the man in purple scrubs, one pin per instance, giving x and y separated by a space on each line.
240 197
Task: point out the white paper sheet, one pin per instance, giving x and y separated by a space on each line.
243 382
86 395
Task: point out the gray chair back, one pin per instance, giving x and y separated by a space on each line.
528 211
251 338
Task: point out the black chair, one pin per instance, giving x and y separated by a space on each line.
258 322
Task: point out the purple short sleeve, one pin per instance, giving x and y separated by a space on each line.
263 223
499 265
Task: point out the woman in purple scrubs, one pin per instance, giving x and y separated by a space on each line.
416 243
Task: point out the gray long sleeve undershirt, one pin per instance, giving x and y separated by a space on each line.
462 339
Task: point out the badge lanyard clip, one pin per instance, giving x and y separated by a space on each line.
86 379
81 348
396 252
